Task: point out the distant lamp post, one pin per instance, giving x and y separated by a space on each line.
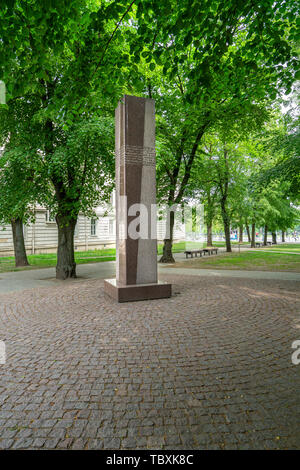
2 92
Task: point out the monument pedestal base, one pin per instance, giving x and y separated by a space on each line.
122 293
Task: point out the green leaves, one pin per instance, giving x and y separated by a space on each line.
210 63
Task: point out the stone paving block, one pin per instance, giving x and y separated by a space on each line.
6 443
207 369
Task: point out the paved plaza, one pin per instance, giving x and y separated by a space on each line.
209 368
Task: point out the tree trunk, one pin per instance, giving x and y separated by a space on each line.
274 238
209 234
167 256
227 236
283 236
226 223
265 235
209 218
248 233
241 233
66 266
19 244
253 235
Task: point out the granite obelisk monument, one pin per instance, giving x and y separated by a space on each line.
136 270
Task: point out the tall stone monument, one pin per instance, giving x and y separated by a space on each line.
136 272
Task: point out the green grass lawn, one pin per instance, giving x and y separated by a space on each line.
182 246
48 260
294 247
252 261
234 261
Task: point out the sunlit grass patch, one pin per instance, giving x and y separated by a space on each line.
255 260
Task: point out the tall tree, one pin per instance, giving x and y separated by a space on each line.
67 60
85 165
17 196
216 61
20 183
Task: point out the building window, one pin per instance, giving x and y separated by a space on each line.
93 227
50 217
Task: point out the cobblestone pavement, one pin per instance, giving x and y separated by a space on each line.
209 368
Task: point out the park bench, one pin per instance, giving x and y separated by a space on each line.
210 251
258 244
269 243
191 253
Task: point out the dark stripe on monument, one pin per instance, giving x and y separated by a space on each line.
122 180
135 120
133 187
135 113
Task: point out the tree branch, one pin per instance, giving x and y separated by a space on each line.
189 164
112 36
